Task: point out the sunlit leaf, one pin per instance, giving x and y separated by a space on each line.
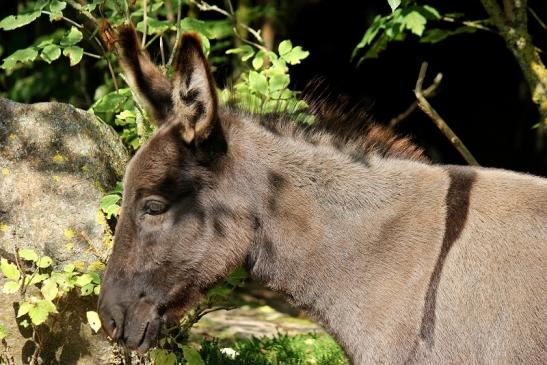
11 287
93 320
24 309
415 22
394 4
74 53
49 289
44 262
72 37
24 55
15 21
28 254
191 356
9 270
50 53
56 8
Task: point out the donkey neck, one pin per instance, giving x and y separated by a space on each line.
327 224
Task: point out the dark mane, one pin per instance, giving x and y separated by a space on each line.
347 127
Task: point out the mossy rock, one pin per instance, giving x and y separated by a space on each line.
56 162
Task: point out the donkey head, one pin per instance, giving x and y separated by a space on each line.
172 225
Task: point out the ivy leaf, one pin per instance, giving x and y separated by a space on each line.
72 37
50 53
11 287
16 21
24 55
49 289
415 22
191 356
39 313
93 320
370 34
394 4
28 254
109 200
44 262
56 9
9 270
74 53
24 309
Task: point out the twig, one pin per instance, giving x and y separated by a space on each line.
162 53
202 5
468 23
430 91
537 18
177 39
424 105
145 22
70 21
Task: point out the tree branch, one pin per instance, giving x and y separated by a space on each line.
424 105
519 42
430 91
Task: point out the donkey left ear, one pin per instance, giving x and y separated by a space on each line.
194 96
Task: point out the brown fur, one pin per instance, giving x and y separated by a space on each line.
400 260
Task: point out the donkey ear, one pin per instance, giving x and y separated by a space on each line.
194 96
152 87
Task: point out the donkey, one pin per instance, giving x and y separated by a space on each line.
402 261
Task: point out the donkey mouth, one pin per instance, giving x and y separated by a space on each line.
142 327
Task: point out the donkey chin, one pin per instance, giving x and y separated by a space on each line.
139 325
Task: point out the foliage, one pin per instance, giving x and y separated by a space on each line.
408 17
281 349
41 288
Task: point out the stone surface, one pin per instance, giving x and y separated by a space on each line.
56 162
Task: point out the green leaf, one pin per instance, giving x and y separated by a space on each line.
49 289
377 24
56 9
3 332
11 287
24 55
258 82
16 21
74 54
430 12
28 254
246 52
415 22
83 280
86 290
44 262
109 200
72 37
36 279
437 35
279 82
154 26
191 356
9 270
39 313
394 4
93 320
295 55
24 309
284 47
258 60
50 53
69 268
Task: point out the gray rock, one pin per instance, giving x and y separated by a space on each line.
56 162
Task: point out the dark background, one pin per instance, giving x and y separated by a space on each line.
483 96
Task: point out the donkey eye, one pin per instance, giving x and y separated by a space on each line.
155 207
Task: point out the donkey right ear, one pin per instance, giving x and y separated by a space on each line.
152 87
